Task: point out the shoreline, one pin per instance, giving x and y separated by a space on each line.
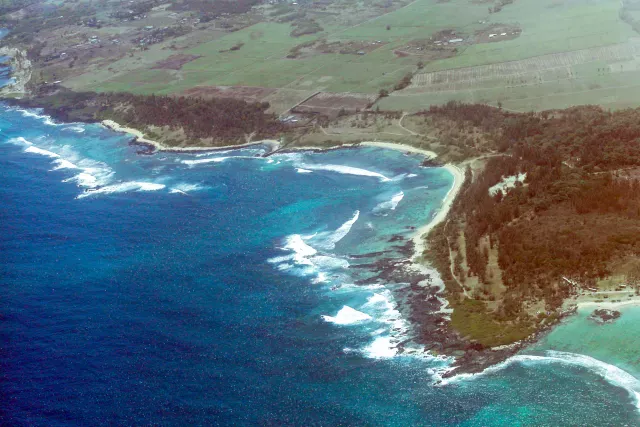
433 336
608 304
143 140
274 144
418 238
275 147
400 147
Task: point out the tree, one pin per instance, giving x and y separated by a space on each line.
633 277
383 93
388 27
420 65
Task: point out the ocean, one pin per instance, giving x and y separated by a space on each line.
225 288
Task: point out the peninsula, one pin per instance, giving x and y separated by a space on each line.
544 212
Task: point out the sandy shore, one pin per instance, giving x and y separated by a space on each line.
273 143
458 179
110 124
458 175
400 147
609 304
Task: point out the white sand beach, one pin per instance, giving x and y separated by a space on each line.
400 147
418 238
161 147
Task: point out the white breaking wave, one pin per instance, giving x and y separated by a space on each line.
35 150
381 348
45 119
384 302
212 153
347 316
328 240
77 129
610 373
19 141
201 161
306 261
94 173
84 179
123 187
185 188
64 164
389 205
348 170
300 170
220 159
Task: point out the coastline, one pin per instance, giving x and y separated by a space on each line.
609 304
429 312
421 232
141 139
274 144
400 147
418 238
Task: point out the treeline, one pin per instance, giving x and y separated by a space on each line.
573 214
585 136
223 119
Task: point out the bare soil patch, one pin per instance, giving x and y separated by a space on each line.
330 104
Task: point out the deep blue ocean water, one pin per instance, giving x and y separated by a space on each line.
210 289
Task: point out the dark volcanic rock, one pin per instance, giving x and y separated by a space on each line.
431 163
144 148
602 316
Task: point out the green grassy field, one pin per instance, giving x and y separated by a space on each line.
548 26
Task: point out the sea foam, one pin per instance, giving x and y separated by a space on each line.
348 170
347 316
45 119
35 150
185 188
328 240
203 161
94 173
612 374
123 187
389 205
306 260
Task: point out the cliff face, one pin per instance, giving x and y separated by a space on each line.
20 71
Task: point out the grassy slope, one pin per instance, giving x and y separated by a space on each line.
548 27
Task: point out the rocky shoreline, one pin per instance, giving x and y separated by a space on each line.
421 301
420 298
602 316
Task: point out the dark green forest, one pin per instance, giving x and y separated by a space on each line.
577 211
225 120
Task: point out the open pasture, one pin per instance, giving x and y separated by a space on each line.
563 44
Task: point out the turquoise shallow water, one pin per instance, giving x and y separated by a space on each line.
210 289
616 343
